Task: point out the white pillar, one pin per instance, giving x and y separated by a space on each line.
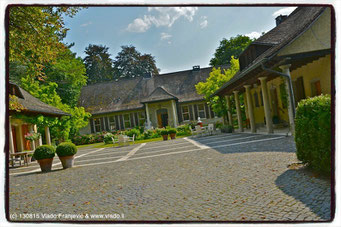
147 112
11 141
47 135
21 138
239 112
266 102
286 69
40 140
250 108
175 114
229 114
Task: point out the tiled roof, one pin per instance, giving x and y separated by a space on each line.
129 94
34 105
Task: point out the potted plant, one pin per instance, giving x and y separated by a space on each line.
226 129
164 134
44 155
66 152
172 133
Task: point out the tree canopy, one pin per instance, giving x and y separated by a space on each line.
131 63
98 64
228 48
214 82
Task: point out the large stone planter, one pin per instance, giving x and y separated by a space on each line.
67 161
173 136
45 164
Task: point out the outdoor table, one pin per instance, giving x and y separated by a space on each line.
20 154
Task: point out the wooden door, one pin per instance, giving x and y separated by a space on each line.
27 143
159 121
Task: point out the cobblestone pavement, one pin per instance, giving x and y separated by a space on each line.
226 177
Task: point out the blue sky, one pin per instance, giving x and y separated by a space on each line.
178 37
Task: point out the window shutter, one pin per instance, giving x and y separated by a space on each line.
136 119
179 113
206 110
92 125
132 120
102 123
195 112
191 117
106 120
122 122
117 122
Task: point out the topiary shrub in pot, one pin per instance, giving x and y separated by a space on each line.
66 152
226 129
44 155
164 134
172 133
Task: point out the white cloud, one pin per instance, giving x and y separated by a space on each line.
165 35
253 35
161 16
204 23
284 11
86 24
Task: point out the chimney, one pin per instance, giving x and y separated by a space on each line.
280 19
196 68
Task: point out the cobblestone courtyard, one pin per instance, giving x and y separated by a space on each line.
226 177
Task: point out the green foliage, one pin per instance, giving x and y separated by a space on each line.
44 152
66 149
171 131
35 35
108 138
164 132
228 48
131 63
218 124
132 132
226 129
313 132
184 130
98 64
213 83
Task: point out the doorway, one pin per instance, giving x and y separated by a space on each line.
162 118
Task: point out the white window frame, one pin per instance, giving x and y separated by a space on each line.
126 121
203 110
142 117
112 124
97 124
183 113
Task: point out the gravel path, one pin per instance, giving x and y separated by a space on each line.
240 177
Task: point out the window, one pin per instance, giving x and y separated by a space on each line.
298 87
185 113
142 118
261 98
201 111
97 123
255 95
316 88
127 121
112 123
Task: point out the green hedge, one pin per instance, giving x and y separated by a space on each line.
66 149
44 152
313 132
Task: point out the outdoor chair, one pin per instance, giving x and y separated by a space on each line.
199 131
122 140
210 129
131 139
114 141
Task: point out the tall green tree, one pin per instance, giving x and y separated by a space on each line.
228 48
214 82
98 64
131 63
35 35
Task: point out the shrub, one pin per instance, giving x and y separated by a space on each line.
164 132
171 131
43 152
132 132
108 138
313 132
218 124
66 149
226 129
184 130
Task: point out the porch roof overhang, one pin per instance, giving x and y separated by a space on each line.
251 74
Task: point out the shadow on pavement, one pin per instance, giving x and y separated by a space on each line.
311 191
